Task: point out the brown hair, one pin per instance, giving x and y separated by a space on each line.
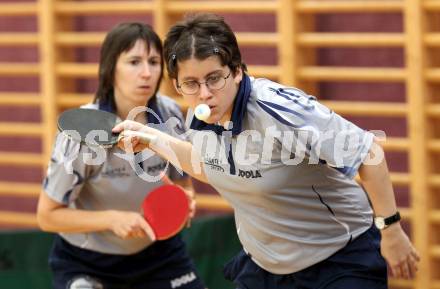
121 39
201 36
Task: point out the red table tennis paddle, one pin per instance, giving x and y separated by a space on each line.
166 209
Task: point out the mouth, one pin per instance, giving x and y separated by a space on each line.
145 87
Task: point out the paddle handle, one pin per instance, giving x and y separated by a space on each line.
144 138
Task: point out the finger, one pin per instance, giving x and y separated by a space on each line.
128 143
413 266
405 270
140 233
396 271
126 124
190 194
192 209
148 230
124 234
119 127
166 180
415 255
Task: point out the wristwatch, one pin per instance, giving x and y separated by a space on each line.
382 222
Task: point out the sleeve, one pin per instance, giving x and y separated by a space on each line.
175 126
323 136
66 172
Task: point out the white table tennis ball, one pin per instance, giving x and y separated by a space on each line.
202 112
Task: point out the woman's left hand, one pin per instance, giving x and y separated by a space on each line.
398 251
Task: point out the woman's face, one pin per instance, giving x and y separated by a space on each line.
210 70
136 75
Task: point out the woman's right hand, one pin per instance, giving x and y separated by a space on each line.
130 225
129 142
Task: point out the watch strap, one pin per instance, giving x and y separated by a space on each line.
392 219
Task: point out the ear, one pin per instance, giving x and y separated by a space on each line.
238 75
175 86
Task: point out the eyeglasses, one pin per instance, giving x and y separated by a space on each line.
213 82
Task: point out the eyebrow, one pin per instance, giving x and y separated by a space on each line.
190 78
153 55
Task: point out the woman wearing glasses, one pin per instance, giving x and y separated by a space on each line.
286 165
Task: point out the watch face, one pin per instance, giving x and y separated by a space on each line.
379 222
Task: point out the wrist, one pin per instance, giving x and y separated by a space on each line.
391 230
110 219
384 222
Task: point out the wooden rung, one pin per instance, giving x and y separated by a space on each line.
342 6
103 7
435 251
352 74
367 108
91 70
351 39
20 129
433 110
222 6
406 213
272 72
400 178
20 189
16 218
96 38
434 145
77 69
434 180
21 159
433 74
79 39
257 39
19 69
434 216
20 99
213 202
399 283
18 38
74 99
396 144
431 5
18 9
432 39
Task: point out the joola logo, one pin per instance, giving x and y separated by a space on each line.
249 174
185 279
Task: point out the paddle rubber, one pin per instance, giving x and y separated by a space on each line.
83 121
166 209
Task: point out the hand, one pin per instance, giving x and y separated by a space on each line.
400 254
191 199
130 225
130 143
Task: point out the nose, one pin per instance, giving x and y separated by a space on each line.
146 72
204 93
